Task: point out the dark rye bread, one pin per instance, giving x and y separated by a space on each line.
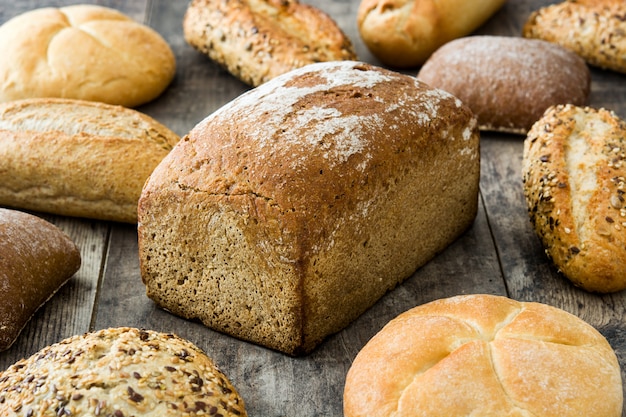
508 82
36 259
119 372
284 215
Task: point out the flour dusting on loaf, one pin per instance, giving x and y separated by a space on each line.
289 211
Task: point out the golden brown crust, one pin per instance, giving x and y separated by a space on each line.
594 29
508 82
574 182
83 52
256 40
485 355
36 259
78 158
118 372
288 212
404 33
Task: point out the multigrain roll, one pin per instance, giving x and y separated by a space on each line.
574 175
488 356
404 33
118 372
256 40
508 82
36 260
594 29
288 212
83 52
78 158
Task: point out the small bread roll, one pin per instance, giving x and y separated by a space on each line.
83 52
78 158
594 29
508 82
119 372
574 175
404 33
36 259
487 356
256 40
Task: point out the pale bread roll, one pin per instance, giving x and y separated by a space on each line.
119 372
487 356
574 173
78 158
508 82
84 52
257 40
594 29
404 33
36 260
292 209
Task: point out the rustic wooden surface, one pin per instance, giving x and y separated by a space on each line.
500 254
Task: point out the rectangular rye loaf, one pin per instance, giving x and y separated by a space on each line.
284 215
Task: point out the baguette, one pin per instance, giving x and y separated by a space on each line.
404 33
78 158
594 29
574 183
256 40
36 260
119 372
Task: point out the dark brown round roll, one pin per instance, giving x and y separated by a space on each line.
508 82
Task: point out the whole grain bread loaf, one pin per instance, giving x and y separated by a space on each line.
83 52
78 158
36 260
574 174
256 40
119 372
288 212
485 355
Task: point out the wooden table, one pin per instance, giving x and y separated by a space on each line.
500 254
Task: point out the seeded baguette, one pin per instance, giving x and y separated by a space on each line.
36 260
574 182
78 158
118 372
256 40
594 29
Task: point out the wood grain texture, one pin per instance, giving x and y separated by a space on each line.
499 254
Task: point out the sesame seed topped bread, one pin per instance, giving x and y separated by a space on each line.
288 212
118 372
78 158
508 82
83 52
36 260
256 40
404 33
574 175
594 29
488 356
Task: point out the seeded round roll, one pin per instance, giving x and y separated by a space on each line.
118 372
